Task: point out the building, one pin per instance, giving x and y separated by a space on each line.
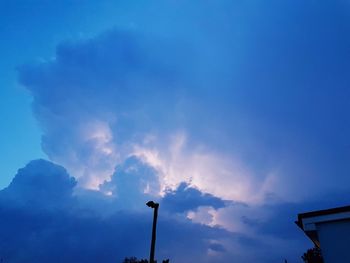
329 230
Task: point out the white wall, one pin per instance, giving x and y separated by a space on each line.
335 241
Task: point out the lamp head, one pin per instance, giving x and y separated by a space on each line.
152 204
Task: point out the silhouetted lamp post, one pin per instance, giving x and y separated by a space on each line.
155 215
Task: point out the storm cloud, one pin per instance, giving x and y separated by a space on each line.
255 100
37 231
227 113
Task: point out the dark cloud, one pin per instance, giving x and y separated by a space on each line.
45 218
217 247
40 184
57 237
283 215
132 184
115 71
71 224
186 198
36 226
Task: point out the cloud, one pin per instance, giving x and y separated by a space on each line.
44 213
186 198
37 231
90 225
101 115
123 94
40 183
126 93
133 183
210 171
248 108
119 89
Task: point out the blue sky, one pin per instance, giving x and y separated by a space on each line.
234 115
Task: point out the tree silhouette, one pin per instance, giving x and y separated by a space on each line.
135 260
313 255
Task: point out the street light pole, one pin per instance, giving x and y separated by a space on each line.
155 206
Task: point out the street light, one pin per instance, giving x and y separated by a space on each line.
155 206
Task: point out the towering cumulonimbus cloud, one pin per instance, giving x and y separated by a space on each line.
233 105
107 98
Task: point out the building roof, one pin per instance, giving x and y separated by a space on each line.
308 221
323 212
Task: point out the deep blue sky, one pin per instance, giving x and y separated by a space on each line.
233 114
